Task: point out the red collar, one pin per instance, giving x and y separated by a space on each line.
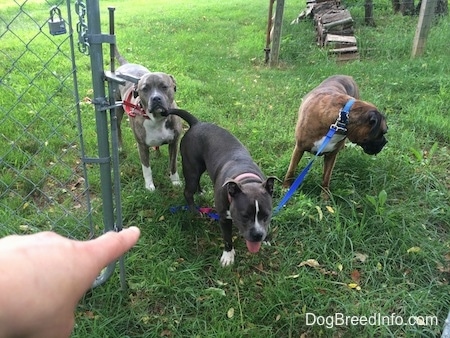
133 109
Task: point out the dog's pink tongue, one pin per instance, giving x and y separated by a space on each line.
253 247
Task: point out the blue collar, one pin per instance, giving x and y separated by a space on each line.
341 123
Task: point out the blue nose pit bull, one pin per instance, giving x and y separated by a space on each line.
145 97
242 194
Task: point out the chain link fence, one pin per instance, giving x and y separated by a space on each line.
47 129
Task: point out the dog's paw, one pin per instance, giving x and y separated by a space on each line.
325 194
150 186
175 179
227 258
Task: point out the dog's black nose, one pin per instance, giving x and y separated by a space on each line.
156 99
256 235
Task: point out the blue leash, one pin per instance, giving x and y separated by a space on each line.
341 126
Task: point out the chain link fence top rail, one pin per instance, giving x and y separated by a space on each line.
43 181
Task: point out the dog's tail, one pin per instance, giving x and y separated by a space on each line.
185 115
119 57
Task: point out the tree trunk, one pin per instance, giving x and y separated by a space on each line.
406 7
396 6
368 16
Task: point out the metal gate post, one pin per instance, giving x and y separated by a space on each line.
94 39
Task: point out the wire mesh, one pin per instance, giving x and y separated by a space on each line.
43 180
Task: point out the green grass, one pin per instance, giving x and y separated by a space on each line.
386 227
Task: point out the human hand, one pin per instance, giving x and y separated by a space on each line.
43 276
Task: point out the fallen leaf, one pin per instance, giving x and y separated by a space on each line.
360 257
161 218
293 276
220 283
315 264
216 291
230 312
277 318
89 314
419 321
340 267
328 272
166 333
260 267
356 276
413 249
310 262
379 266
319 211
77 184
443 268
354 286
330 209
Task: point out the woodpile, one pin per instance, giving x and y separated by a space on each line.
334 28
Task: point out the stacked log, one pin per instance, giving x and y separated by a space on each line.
334 28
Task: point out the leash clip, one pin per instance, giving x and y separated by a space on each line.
341 122
339 127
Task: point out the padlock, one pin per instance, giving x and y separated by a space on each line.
56 25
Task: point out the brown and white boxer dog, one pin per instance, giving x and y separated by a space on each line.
320 108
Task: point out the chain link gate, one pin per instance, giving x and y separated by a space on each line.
46 130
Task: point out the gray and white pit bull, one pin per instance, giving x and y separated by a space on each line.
241 193
145 96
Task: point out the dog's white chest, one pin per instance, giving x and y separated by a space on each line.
331 145
156 132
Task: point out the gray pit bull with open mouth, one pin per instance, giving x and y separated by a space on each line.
242 194
145 96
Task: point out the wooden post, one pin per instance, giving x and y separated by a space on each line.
276 38
269 31
423 26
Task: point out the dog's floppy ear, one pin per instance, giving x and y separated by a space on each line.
174 83
268 184
233 187
375 119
